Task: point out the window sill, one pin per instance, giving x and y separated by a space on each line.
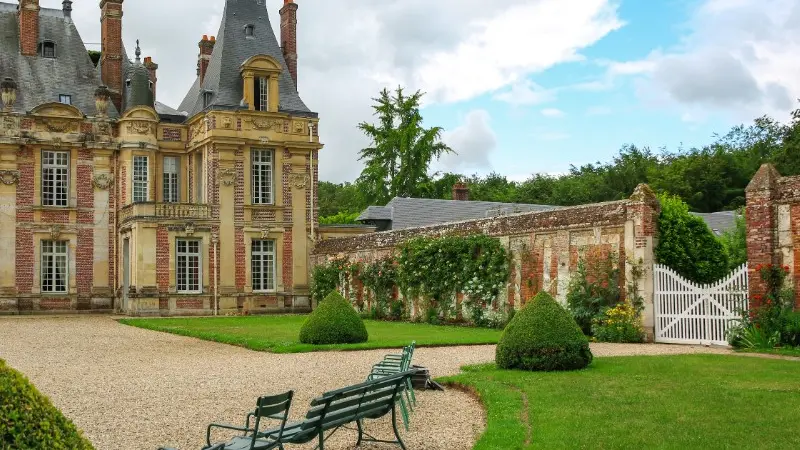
273 292
55 208
189 293
263 207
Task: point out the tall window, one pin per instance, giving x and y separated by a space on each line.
55 178
261 93
140 183
262 265
262 177
171 176
54 266
188 265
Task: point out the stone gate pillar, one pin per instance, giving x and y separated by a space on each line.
761 226
641 226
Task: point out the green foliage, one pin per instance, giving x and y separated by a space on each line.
543 336
325 278
735 242
94 56
28 420
593 288
333 322
380 278
771 322
402 149
687 245
437 268
344 198
341 218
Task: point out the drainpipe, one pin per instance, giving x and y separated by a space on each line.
214 243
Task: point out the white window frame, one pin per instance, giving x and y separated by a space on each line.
171 190
51 252
262 164
182 268
65 99
262 253
56 165
140 179
263 93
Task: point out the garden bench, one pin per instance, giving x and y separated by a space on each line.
393 364
335 409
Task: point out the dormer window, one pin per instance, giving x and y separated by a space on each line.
261 94
65 99
47 49
207 97
249 30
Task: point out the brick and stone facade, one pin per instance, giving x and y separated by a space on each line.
121 231
773 228
545 246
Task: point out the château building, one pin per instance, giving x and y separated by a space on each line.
113 201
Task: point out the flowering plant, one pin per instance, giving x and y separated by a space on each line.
618 324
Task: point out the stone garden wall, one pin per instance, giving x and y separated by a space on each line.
545 247
773 227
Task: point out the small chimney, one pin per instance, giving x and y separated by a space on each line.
28 27
152 68
111 48
461 192
67 6
206 48
289 37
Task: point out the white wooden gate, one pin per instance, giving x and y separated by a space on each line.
690 313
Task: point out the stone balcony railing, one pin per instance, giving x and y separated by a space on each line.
178 211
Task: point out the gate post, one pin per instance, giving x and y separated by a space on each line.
641 229
760 216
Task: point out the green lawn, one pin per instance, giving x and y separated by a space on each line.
669 402
788 351
279 334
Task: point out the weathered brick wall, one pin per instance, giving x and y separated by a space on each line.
29 27
545 246
773 228
289 37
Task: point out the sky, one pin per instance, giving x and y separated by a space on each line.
519 86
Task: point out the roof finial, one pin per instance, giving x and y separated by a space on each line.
138 52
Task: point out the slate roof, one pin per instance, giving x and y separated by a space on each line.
41 80
419 212
719 222
231 50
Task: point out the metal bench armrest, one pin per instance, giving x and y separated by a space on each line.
225 426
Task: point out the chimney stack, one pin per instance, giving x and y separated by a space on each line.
461 192
289 37
152 68
206 48
28 27
67 7
111 48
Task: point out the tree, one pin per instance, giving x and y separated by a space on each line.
735 241
402 149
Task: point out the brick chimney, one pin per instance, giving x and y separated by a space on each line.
152 68
289 37
28 27
206 48
461 192
111 48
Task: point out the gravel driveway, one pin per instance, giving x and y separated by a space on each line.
129 388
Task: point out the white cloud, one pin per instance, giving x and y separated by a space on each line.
350 49
553 113
472 142
739 59
526 93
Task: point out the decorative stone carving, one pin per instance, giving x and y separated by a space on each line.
9 126
299 127
227 176
60 125
264 232
8 93
141 127
103 181
189 229
55 232
57 142
9 177
197 129
299 180
264 140
227 123
266 124
101 96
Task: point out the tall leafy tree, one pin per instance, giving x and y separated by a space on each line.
396 164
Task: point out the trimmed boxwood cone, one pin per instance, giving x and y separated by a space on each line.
333 322
543 336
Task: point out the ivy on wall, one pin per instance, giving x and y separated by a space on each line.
433 270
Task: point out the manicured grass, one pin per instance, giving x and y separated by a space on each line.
279 334
675 402
787 351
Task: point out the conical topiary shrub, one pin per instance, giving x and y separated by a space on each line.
543 336
333 322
